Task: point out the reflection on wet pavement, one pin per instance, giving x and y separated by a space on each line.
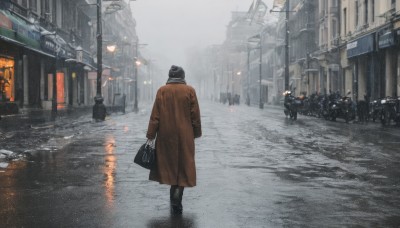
109 169
255 169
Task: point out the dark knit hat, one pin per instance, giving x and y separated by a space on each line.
176 72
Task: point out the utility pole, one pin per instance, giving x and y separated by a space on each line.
248 76
261 105
99 110
135 105
54 101
287 46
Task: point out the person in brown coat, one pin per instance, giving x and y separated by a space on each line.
175 123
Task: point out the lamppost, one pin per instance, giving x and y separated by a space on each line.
287 46
54 100
113 85
260 39
137 64
261 105
248 76
287 11
150 71
238 74
99 109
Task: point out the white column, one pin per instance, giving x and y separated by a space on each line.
362 78
26 79
66 86
42 79
398 73
86 88
389 74
74 89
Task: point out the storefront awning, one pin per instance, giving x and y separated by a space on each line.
17 43
80 62
361 46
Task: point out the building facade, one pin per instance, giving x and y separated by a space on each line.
370 52
43 38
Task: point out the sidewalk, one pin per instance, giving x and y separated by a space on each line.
35 116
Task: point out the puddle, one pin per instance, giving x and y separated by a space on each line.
3 165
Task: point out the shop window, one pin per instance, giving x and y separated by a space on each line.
7 80
60 88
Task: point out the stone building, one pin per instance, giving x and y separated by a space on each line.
369 50
40 38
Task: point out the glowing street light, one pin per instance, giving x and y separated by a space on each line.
111 48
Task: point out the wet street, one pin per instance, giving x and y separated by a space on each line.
255 168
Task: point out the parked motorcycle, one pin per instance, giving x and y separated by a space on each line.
390 110
324 107
376 110
341 107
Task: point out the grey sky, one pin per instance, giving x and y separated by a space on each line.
172 26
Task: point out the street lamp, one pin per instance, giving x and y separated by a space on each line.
287 11
54 101
111 48
260 39
137 64
248 76
99 109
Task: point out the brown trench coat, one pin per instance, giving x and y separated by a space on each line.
175 120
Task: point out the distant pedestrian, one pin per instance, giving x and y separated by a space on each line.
175 123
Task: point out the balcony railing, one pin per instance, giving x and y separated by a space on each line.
18 9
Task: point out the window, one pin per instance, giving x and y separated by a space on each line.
372 10
334 29
33 5
45 6
357 12
54 12
366 11
24 3
345 21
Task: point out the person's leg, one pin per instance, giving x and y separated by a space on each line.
172 191
176 193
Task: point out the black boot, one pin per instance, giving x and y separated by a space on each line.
176 194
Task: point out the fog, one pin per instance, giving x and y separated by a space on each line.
172 27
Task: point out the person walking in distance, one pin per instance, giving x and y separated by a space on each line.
175 123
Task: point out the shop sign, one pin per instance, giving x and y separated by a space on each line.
361 46
87 59
50 45
386 40
4 21
20 29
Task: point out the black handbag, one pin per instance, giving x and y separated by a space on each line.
146 156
